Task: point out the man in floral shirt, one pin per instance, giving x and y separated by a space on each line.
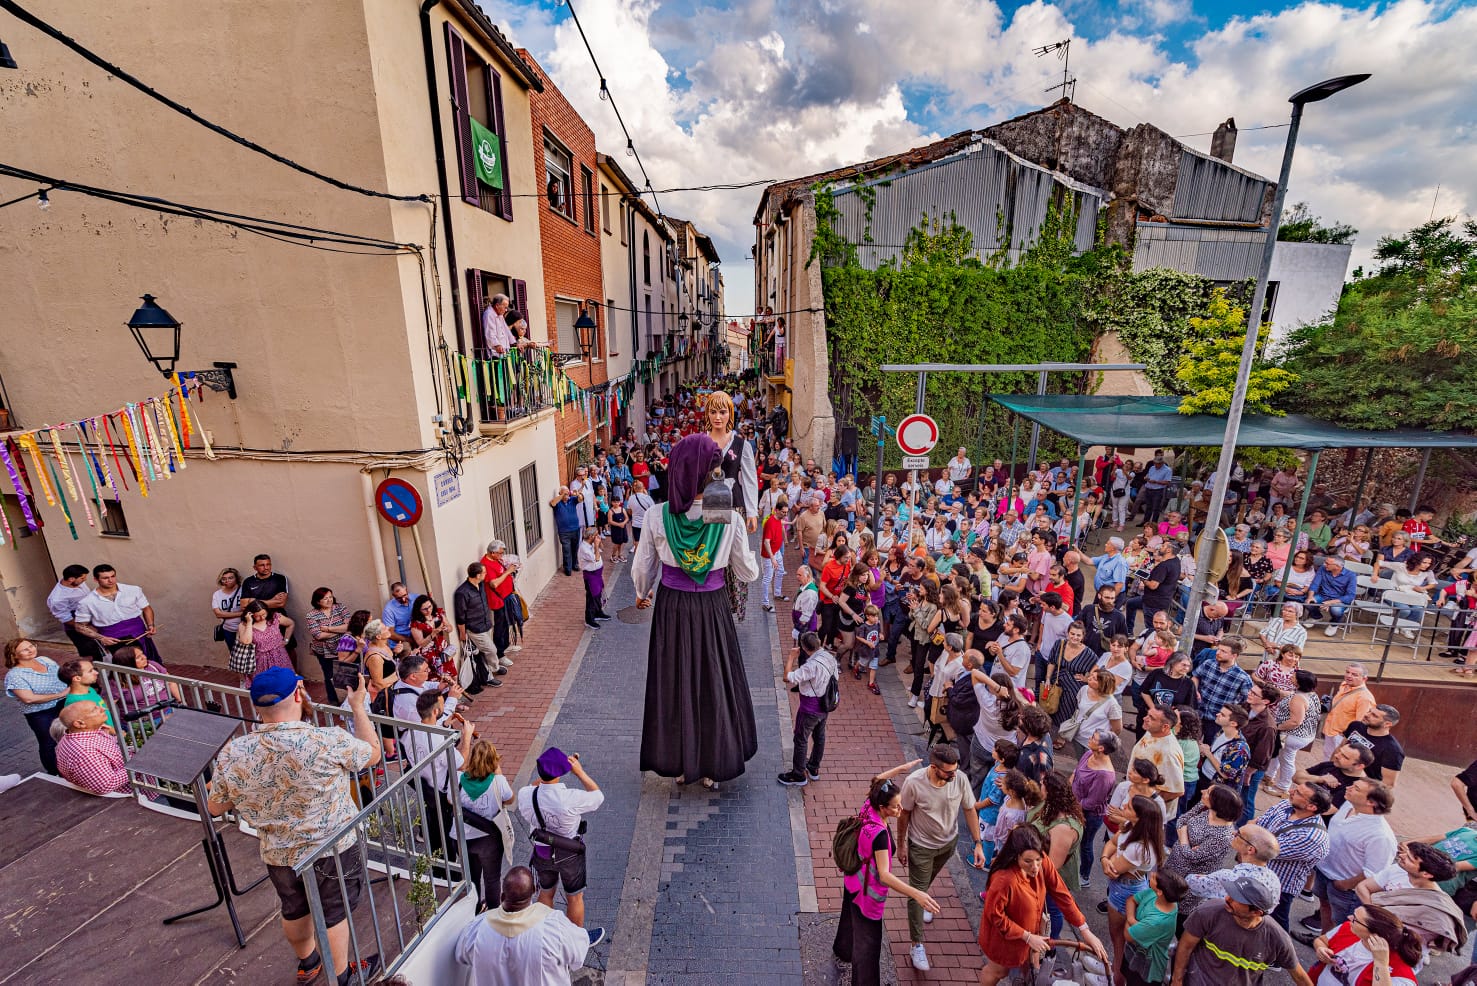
290 780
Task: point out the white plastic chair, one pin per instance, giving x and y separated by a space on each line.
1393 597
1359 568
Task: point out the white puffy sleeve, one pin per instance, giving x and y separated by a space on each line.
741 560
749 478
646 567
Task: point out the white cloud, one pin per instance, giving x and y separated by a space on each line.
760 89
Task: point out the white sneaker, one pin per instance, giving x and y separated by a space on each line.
505 662
912 702
515 648
928 917
1408 634
1330 630
920 958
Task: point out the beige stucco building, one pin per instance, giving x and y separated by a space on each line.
346 370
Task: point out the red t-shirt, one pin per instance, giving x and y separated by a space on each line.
1419 531
495 594
833 576
774 535
1344 938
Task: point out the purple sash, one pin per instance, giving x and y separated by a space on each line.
674 578
132 627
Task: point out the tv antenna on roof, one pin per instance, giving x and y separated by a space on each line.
1063 50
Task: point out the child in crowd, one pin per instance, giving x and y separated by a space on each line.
1021 795
1151 917
991 795
868 636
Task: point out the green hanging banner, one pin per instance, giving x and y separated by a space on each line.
487 152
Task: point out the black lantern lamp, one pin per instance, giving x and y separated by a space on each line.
682 322
584 327
7 60
158 335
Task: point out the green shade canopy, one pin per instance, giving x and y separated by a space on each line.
1148 422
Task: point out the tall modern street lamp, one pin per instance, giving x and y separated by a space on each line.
1206 549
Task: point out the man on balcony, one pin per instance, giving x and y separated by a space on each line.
495 333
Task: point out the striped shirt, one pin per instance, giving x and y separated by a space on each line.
1302 844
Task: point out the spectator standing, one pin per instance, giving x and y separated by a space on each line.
550 807
484 793
1162 748
88 753
397 614
522 940
859 932
1374 732
1463 785
1336 774
567 524
1350 703
772 553
928 832
1302 841
1235 944
960 471
326 621
1203 838
1103 619
592 568
498 574
1296 716
1360 844
1220 683
225 605
1159 586
638 503
1374 946
1149 929
812 669
116 613
62 601
1111 567
474 624
1260 734
266 633
290 781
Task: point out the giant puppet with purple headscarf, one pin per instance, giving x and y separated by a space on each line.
699 721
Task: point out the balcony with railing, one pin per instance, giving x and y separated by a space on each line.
511 391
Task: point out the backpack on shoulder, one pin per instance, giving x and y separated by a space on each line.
845 844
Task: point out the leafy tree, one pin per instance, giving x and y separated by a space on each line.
1300 225
1433 246
1207 371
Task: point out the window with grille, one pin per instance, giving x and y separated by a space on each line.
559 185
533 507
503 526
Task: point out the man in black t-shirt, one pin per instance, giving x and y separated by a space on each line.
1373 733
1160 586
265 585
1072 562
1348 765
1464 786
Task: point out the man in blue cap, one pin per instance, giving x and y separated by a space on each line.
553 814
290 780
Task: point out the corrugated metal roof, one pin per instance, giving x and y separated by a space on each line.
1208 188
990 191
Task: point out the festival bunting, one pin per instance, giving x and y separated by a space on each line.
151 436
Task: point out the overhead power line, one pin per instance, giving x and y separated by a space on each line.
29 18
294 233
1211 133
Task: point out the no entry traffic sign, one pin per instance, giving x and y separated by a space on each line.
398 502
917 434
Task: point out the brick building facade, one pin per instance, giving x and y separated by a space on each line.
569 227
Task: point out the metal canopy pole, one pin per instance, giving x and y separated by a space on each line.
1359 492
1420 479
1077 491
919 394
1015 437
1296 528
1036 426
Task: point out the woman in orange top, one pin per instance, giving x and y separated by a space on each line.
1022 876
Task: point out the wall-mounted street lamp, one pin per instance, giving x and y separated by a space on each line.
158 336
584 327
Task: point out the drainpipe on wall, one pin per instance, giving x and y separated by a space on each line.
376 541
432 88
635 307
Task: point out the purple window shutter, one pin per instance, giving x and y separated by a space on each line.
474 307
520 299
456 67
500 127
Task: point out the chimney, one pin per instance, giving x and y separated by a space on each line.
1223 144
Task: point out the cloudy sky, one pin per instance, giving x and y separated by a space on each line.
772 89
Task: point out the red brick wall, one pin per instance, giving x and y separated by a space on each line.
571 255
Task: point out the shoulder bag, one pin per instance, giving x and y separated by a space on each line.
541 836
1050 698
243 656
1069 729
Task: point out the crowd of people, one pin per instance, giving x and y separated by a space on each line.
1077 749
